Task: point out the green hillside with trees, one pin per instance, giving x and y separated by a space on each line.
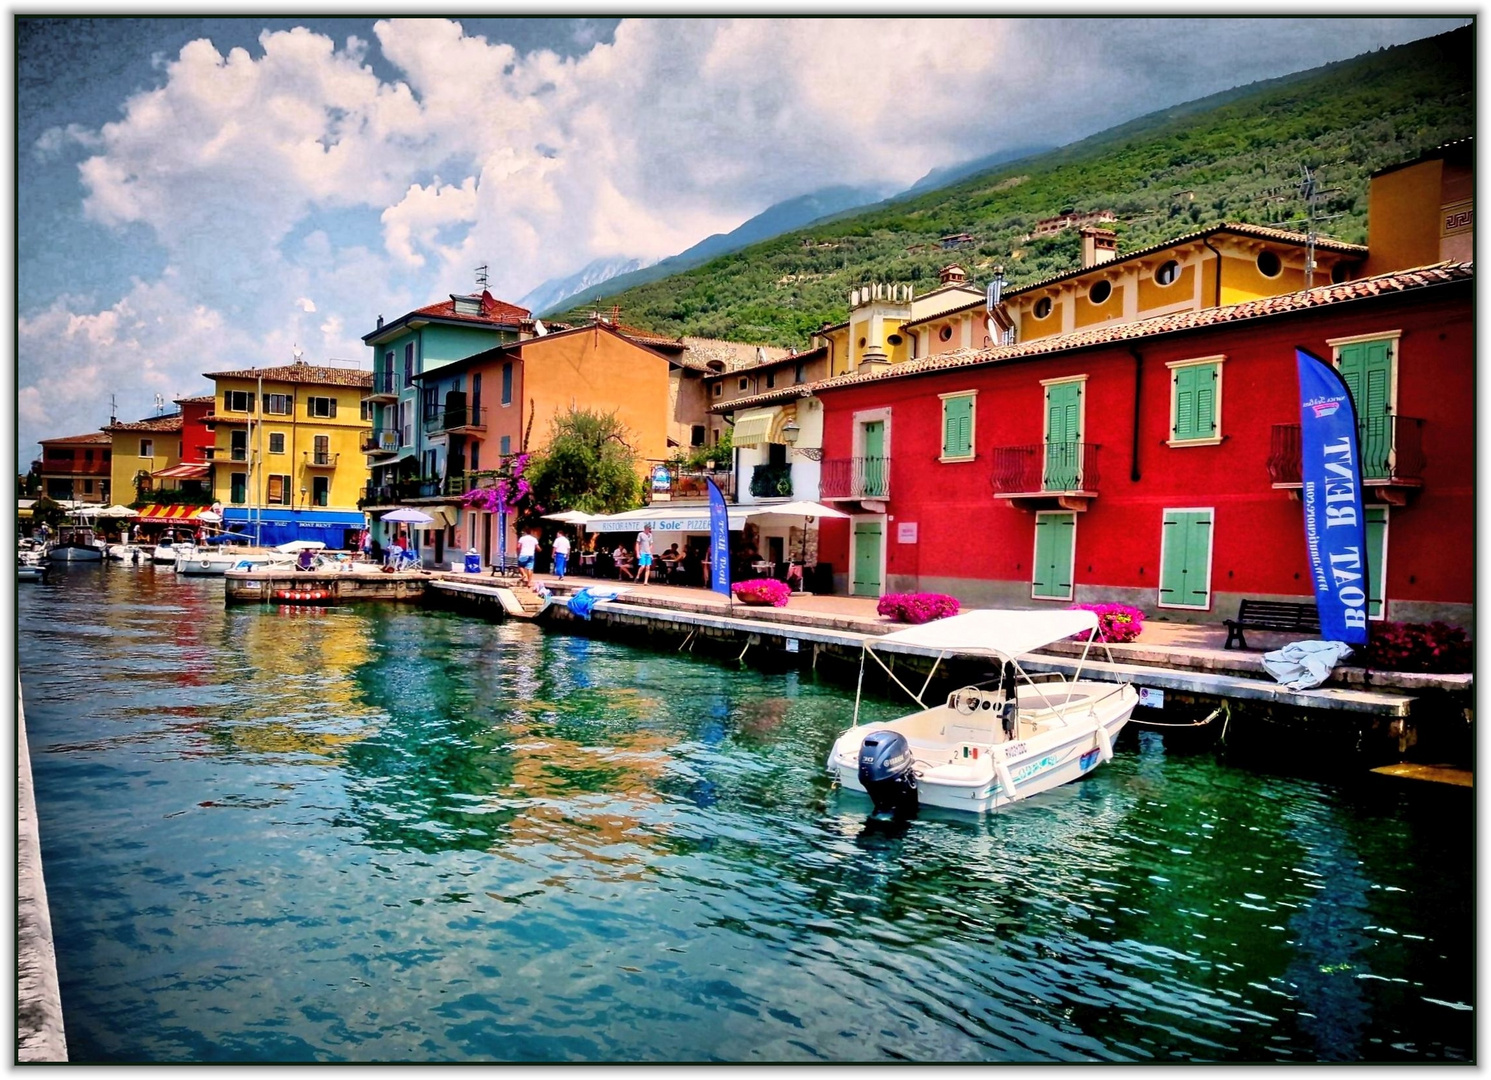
1234 156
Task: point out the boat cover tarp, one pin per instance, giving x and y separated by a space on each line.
1301 665
986 632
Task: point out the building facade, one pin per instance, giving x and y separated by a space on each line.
287 458
78 467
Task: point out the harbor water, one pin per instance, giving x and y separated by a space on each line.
389 834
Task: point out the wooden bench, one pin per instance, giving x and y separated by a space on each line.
1277 615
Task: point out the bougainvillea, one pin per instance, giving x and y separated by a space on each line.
1430 647
762 591
508 493
1117 623
918 607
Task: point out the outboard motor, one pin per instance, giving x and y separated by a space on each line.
885 772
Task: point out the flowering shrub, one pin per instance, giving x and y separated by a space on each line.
1117 623
917 607
762 591
509 492
1434 647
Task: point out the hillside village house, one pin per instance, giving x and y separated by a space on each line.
287 459
77 467
140 449
1152 457
405 462
483 409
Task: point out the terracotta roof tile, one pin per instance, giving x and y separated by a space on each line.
204 399
301 373
150 423
91 437
492 311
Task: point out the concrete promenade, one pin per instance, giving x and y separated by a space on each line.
39 1032
1190 647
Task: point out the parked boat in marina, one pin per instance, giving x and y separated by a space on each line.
77 545
994 743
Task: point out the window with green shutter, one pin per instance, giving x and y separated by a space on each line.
1185 558
1055 546
957 426
1376 560
1195 401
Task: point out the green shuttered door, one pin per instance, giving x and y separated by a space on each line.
1367 369
1376 559
867 536
1063 435
1185 558
1055 538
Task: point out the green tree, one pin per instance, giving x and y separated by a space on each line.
588 466
47 511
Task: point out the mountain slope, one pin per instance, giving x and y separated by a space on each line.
556 291
773 221
1233 156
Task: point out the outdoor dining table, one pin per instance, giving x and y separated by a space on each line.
587 563
764 568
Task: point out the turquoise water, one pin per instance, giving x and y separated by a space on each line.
395 835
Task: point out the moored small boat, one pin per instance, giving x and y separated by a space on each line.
996 743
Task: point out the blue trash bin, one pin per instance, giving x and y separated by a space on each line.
473 563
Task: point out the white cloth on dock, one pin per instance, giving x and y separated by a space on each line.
1301 665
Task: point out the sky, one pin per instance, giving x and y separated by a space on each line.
198 195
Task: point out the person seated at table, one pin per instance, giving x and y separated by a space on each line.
672 554
623 559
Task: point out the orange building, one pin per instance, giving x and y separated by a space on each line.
495 404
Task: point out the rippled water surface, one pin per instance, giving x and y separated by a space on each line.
377 834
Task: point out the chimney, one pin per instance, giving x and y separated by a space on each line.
1098 246
873 357
952 275
380 322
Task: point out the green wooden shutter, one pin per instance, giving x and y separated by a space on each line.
1367 369
957 427
1052 572
1376 560
1063 436
1195 402
1186 558
333 407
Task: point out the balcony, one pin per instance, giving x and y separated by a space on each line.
385 387
460 421
320 459
1391 450
684 484
855 478
1061 474
771 482
381 441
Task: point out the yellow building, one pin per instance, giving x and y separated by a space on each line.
287 455
140 449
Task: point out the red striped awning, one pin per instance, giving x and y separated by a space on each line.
184 471
177 512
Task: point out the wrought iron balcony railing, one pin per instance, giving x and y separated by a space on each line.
381 441
1391 451
463 419
855 478
686 484
385 384
1045 469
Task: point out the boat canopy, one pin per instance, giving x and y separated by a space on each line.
983 632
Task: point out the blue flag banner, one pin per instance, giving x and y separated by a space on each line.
1335 522
719 541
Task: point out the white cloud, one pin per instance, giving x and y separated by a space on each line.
534 163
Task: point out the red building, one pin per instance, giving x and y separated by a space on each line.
1156 462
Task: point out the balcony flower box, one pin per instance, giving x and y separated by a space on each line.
762 592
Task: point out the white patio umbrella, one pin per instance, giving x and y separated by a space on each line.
209 517
796 509
569 517
118 511
409 515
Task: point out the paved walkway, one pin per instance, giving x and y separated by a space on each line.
1184 645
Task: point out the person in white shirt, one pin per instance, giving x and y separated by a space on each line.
527 552
561 554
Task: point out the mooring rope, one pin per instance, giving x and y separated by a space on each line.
1221 709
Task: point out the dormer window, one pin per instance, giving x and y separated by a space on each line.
467 305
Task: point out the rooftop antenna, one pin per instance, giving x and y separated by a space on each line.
113 411
160 404
299 356
481 277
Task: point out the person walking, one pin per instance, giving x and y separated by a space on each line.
644 554
561 554
527 554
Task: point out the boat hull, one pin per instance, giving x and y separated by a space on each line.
74 553
216 564
31 572
957 769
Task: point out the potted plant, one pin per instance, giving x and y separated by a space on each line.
762 592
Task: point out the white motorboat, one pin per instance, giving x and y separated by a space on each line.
165 554
30 565
216 563
128 553
993 744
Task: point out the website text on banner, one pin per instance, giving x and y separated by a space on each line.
1335 522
